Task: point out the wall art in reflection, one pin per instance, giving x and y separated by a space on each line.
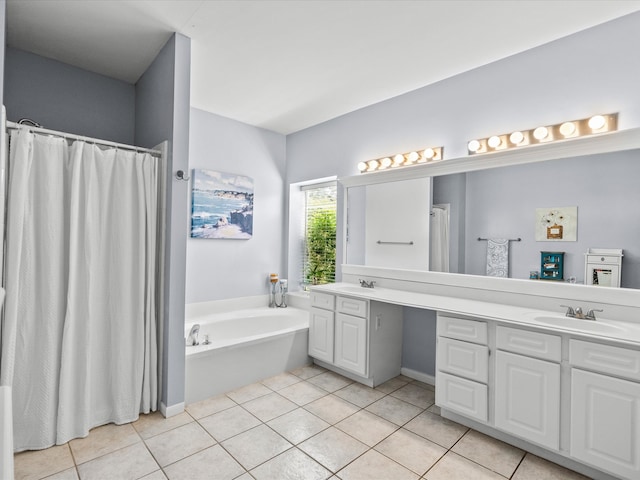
557 224
221 205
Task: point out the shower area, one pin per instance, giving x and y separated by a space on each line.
83 274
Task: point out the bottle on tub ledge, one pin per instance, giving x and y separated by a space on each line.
273 279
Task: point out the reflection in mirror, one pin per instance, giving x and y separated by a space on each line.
389 226
501 203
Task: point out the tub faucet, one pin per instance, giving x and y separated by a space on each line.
192 339
283 294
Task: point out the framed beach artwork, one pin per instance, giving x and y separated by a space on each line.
557 224
221 205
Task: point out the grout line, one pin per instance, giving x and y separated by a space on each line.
519 463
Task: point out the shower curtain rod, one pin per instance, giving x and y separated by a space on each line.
70 136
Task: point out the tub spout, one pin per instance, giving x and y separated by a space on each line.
192 339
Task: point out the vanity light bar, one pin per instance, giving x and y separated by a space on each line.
543 134
431 154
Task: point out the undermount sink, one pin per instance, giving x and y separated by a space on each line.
583 325
358 290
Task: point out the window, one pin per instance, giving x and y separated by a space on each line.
319 245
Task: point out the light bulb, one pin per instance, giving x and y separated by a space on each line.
428 153
362 166
373 165
597 122
516 138
398 160
494 141
385 162
567 129
412 157
473 146
541 133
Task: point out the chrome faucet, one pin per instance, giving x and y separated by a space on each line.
192 339
591 314
365 284
578 313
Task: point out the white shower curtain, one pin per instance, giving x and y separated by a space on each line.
439 239
79 338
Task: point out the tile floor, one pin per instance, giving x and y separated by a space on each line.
306 424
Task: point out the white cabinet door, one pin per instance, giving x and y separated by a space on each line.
351 343
528 398
605 423
321 328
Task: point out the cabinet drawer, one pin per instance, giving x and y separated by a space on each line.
323 300
532 344
622 362
602 259
463 396
464 359
352 306
462 329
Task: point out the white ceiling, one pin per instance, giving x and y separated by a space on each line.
286 65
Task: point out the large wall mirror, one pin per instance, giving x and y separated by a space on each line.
434 222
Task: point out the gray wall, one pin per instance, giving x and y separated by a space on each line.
593 71
419 340
68 99
502 202
219 269
162 113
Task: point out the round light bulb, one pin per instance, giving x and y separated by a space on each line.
412 157
494 141
473 146
373 165
516 138
429 153
362 166
398 160
385 162
541 133
567 129
597 122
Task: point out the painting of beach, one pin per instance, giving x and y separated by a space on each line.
221 205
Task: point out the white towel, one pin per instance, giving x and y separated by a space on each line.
498 257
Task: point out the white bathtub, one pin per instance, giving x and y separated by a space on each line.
246 346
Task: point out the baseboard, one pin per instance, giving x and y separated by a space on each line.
171 410
416 375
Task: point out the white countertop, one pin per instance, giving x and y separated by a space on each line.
556 321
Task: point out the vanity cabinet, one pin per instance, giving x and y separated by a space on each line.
576 398
605 409
360 339
462 363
